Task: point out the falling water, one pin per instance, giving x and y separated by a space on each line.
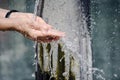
36 44
69 58
62 59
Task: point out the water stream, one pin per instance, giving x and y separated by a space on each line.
70 57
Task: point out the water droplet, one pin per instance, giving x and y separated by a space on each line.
115 75
33 75
65 74
113 32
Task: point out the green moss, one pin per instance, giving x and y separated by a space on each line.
71 75
48 47
60 64
46 76
41 62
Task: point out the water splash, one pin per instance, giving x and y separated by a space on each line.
98 73
74 48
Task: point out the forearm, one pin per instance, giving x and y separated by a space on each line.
37 30
3 12
6 24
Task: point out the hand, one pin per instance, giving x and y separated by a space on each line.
37 30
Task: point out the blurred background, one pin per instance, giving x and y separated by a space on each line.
16 52
105 30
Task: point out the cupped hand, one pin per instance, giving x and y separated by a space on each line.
35 29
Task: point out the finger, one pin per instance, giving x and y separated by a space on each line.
38 35
56 38
49 26
43 35
43 26
44 40
36 26
47 39
40 20
34 34
55 33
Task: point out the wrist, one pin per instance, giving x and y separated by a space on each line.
3 13
6 24
9 13
11 21
15 15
